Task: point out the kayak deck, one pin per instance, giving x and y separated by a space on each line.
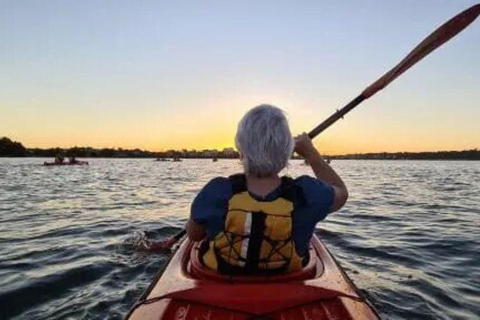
186 290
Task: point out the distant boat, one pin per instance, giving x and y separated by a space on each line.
177 159
214 159
76 163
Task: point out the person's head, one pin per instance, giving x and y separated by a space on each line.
264 141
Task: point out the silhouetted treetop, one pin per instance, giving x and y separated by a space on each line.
9 148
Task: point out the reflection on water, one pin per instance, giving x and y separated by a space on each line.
408 236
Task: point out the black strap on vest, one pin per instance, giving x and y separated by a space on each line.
238 182
255 241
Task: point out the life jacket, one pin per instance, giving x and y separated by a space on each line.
257 235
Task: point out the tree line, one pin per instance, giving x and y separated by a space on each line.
473 154
9 148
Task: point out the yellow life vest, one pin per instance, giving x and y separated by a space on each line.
257 235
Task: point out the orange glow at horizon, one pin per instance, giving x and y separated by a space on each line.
213 126
161 76
345 140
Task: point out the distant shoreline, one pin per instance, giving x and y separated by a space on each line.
473 154
9 148
204 158
452 156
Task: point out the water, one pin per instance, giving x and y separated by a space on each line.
409 235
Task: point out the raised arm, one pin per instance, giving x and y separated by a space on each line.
305 148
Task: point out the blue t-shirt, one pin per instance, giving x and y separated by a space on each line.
211 205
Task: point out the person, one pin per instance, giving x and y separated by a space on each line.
72 160
59 159
258 222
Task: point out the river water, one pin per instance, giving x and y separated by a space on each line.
409 235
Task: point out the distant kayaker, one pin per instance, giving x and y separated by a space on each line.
59 159
258 222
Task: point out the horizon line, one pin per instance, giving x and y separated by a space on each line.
235 149
221 150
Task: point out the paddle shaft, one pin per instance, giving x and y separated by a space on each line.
334 117
180 234
441 35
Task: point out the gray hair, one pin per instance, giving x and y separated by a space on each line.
264 140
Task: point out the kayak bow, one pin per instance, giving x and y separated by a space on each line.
187 290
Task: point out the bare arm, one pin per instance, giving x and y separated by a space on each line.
323 171
195 231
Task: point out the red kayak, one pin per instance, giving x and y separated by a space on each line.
77 163
186 290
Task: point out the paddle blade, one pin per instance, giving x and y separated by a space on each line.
444 33
162 246
166 245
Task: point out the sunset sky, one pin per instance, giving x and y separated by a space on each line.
173 74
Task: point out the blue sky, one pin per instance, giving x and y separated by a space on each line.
164 74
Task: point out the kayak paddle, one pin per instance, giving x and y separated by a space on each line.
441 35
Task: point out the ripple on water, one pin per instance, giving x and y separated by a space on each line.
408 235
